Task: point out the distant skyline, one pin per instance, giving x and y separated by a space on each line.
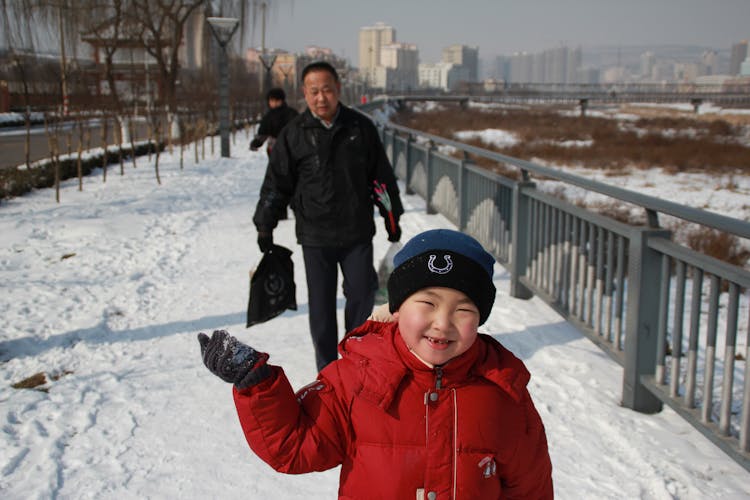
503 27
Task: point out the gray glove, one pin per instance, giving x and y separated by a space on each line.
232 361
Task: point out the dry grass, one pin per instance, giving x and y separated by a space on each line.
719 245
693 144
32 382
676 140
38 381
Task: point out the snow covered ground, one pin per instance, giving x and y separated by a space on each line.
106 291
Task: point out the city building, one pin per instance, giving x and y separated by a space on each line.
403 60
709 63
745 67
463 55
442 75
559 65
521 67
371 41
648 62
385 63
737 57
686 72
500 69
285 67
588 76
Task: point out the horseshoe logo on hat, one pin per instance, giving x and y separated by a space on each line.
440 270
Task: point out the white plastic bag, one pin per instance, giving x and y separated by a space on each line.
384 271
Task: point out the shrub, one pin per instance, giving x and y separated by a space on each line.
718 244
18 181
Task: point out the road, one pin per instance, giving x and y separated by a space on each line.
12 141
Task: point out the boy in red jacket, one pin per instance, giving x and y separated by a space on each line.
421 406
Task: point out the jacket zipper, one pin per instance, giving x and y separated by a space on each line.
439 386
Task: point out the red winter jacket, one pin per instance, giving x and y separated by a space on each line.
402 430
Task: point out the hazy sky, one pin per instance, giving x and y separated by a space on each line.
506 26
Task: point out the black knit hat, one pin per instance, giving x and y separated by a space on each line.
445 258
276 93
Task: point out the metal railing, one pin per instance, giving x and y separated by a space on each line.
650 303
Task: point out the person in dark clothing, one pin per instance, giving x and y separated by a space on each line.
329 166
278 115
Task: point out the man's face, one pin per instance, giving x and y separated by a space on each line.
438 323
322 93
274 103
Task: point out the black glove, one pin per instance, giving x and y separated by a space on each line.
394 233
232 361
256 143
265 241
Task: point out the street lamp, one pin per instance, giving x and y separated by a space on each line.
265 59
223 28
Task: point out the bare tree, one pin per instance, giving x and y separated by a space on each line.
160 27
18 35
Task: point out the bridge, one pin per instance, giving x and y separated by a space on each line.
583 95
648 302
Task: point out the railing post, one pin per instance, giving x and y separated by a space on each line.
463 196
519 240
428 169
407 156
642 319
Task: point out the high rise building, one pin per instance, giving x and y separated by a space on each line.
559 65
521 67
745 67
739 54
385 63
441 75
462 55
648 61
371 41
403 60
501 68
709 63
573 67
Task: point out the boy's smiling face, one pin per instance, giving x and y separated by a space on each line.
438 323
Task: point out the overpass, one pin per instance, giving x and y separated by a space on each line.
583 95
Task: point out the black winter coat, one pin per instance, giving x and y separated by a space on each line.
275 119
329 178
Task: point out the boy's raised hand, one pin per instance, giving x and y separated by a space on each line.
231 360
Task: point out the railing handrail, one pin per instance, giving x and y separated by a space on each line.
722 222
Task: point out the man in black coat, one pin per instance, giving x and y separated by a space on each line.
278 115
329 165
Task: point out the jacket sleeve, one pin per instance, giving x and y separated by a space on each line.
277 188
264 127
530 473
294 434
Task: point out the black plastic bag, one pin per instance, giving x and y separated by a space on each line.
272 288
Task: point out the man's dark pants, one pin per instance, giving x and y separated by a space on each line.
360 285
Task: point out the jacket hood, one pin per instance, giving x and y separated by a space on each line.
379 349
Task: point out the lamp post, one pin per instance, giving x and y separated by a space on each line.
265 59
223 28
